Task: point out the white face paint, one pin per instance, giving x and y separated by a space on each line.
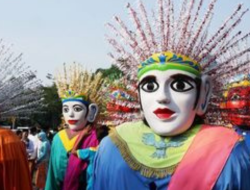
75 114
168 99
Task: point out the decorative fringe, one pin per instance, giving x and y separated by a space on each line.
75 78
134 164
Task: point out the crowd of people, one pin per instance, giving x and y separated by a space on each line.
37 148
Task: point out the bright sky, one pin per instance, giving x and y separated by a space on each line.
51 32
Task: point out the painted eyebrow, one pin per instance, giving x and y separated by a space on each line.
182 76
77 106
147 78
65 106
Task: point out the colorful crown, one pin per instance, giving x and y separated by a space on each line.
180 35
72 96
172 35
122 105
76 84
245 82
168 60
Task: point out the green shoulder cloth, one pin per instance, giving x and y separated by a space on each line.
149 153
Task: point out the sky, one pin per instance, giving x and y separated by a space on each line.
52 32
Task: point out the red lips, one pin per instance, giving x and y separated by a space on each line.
163 113
72 122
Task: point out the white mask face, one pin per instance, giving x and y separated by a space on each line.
168 99
75 114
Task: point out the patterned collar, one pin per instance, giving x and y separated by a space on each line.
152 155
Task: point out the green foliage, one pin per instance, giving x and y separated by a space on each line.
50 116
51 113
111 73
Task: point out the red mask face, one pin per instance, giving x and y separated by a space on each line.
238 106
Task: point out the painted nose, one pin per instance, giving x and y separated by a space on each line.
163 97
164 101
71 113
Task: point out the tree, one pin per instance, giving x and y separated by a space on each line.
50 115
111 73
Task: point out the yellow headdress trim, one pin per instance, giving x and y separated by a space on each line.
243 83
73 82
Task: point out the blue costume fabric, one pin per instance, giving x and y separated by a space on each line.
44 149
88 155
111 172
245 133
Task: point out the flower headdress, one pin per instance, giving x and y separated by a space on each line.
233 102
121 102
240 81
217 111
20 91
173 39
75 83
180 39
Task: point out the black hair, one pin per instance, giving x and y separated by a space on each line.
198 86
18 132
39 130
102 132
33 130
87 112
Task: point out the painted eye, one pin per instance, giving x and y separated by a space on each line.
65 110
78 108
181 85
150 86
235 97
